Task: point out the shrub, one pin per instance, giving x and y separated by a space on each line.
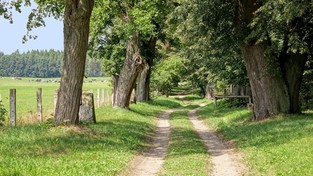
3 111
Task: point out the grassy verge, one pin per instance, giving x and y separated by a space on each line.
98 149
187 154
281 146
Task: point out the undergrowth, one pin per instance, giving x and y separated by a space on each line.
3 112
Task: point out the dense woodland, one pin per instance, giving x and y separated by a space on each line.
40 64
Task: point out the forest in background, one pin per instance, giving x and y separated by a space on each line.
41 64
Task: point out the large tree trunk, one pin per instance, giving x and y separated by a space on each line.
131 68
269 91
76 31
143 84
209 91
143 80
293 65
274 91
275 88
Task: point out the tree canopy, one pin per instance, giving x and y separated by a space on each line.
264 44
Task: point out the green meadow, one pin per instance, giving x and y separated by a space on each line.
26 93
103 148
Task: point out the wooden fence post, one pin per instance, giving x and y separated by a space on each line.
39 104
56 93
13 107
103 98
98 98
109 97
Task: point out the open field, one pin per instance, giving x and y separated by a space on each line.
26 93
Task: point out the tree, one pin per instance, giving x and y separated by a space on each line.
306 95
107 43
143 79
118 26
208 60
159 10
275 57
136 24
274 39
76 32
31 64
167 74
6 8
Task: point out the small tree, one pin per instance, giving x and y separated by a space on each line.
167 74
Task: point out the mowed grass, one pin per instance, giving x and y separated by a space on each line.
26 101
96 149
187 154
280 146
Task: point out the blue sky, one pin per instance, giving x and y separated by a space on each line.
49 37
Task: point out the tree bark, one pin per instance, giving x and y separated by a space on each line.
132 66
274 92
76 31
143 84
143 80
269 91
209 91
202 90
293 65
275 88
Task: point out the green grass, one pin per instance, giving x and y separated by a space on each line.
26 94
280 146
96 149
187 154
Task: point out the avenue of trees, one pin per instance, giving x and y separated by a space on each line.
273 38
262 44
41 64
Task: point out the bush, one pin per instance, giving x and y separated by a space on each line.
167 74
3 111
233 103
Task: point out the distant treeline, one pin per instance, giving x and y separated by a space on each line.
40 64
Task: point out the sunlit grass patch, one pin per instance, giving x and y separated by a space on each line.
187 154
279 146
103 148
